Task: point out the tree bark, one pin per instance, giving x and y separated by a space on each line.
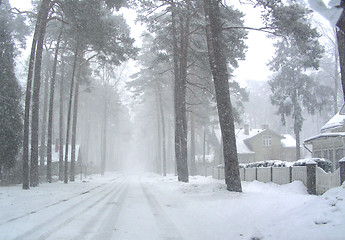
104 134
180 72
158 165
336 82
34 179
69 114
43 124
74 127
162 118
61 120
26 179
341 49
192 143
50 115
220 76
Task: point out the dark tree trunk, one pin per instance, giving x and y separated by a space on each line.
221 82
180 72
341 49
61 120
162 118
69 114
34 179
74 127
192 143
37 34
50 115
336 82
26 180
298 140
104 132
158 164
43 124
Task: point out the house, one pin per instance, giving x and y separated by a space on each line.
330 143
264 144
260 144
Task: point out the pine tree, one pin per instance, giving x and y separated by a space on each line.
10 95
293 90
217 58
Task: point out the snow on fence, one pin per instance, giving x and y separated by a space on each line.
315 178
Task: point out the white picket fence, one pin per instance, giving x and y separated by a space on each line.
284 175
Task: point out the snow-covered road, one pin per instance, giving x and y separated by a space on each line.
151 207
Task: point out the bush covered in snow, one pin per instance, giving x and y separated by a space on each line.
325 164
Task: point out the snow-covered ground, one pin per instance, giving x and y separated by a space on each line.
149 206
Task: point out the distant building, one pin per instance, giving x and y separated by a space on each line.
330 143
264 144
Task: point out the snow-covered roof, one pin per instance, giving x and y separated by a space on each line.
241 146
324 135
241 137
288 141
335 122
251 133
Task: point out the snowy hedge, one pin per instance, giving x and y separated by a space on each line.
325 164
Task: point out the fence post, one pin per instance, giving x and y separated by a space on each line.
311 177
271 174
256 173
342 170
290 173
244 174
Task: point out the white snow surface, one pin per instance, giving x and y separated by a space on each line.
148 206
288 141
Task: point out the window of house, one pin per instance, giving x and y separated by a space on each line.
267 140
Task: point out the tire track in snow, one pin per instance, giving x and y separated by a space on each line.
54 204
107 224
116 191
60 215
168 229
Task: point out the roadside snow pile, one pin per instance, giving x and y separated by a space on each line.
320 218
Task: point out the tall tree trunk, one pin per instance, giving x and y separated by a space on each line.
162 118
42 149
34 179
26 180
192 143
51 106
69 114
341 49
158 164
220 76
180 72
74 127
61 119
298 140
104 131
336 82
